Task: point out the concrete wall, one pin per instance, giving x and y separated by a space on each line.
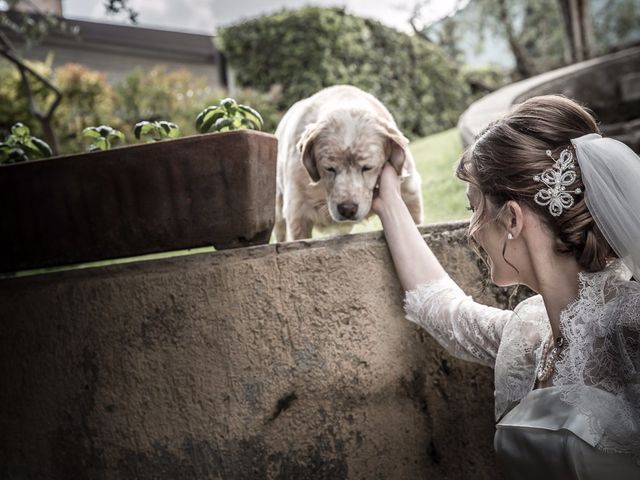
286 361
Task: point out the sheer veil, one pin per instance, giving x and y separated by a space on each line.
611 176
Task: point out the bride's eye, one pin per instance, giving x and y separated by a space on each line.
471 209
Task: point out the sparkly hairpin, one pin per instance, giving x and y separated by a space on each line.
557 179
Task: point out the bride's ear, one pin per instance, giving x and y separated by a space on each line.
515 219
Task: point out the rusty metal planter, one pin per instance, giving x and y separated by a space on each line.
214 189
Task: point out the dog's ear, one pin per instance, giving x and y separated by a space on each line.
305 147
397 148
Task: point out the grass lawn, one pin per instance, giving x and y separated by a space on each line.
443 195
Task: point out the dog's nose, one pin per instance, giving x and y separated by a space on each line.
348 209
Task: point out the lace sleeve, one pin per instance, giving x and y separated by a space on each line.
466 329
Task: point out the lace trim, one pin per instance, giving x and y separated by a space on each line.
602 328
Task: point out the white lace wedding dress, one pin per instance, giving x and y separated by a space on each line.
585 426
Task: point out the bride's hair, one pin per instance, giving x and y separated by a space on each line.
508 153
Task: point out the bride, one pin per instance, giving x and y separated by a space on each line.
556 207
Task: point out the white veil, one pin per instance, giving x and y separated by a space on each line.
611 176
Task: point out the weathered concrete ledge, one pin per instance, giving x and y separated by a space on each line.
598 82
287 361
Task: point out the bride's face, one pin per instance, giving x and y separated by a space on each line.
492 238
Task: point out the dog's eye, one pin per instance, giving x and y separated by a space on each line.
330 169
366 168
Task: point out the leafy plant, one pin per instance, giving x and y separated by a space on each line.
103 137
229 115
155 131
21 146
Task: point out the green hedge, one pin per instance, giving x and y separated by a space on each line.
304 50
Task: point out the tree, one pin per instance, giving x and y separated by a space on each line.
444 33
616 24
533 30
496 16
578 29
29 28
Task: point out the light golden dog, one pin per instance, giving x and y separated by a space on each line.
331 149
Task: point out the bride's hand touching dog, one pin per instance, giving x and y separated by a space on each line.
387 189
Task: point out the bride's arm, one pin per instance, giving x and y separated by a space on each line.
414 261
465 328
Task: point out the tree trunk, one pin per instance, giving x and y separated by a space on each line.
578 29
524 66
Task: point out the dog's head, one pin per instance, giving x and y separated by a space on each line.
346 152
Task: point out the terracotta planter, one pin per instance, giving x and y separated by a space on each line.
214 189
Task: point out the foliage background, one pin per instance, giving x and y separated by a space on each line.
89 100
304 50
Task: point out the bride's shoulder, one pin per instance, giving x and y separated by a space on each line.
531 306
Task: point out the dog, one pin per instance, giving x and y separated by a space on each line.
331 149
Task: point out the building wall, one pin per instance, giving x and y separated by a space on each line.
116 64
285 361
40 6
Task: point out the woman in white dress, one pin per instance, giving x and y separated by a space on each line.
556 207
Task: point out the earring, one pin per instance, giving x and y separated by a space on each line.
509 236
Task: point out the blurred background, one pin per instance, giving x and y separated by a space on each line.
117 62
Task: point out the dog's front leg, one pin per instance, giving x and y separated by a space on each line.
299 228
280 227
413 199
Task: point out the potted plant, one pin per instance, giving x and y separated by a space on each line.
21 146
216 188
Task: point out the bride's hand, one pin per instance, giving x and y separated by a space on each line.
387 189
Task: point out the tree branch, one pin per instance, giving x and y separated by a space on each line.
45 118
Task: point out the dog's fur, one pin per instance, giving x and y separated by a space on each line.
347 130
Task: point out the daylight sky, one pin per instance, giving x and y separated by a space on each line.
204 15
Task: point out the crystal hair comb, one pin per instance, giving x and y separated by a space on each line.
557 179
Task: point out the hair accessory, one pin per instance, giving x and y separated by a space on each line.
557 179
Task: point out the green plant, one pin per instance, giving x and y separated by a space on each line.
102 137
88 100
155 131
21 146
229 115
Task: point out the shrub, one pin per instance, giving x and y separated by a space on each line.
159 94
88 99
304 50
178 96
13 101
